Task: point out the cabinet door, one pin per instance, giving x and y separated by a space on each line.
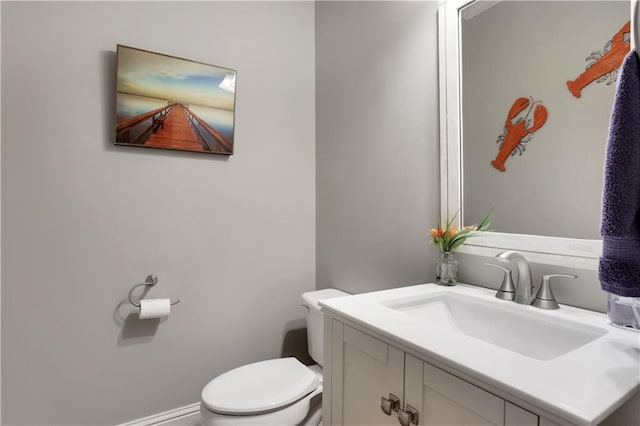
516 416
444 400
364 369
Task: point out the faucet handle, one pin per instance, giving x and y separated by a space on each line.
507 289
545 298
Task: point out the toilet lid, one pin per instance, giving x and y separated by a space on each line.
259 387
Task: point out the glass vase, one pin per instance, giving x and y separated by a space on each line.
447 269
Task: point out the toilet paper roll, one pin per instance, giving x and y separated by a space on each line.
154 308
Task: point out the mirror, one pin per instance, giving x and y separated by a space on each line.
504 73
551 183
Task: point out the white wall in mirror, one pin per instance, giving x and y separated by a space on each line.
546 249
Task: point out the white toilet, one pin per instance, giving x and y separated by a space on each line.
273 392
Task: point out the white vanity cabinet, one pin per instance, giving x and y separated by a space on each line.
450 353
443 399
361 369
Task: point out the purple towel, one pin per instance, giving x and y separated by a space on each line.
619 270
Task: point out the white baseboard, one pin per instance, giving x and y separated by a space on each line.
179 415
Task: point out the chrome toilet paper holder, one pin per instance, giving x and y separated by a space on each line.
150 281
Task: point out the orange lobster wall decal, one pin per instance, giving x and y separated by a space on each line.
605 63
524 119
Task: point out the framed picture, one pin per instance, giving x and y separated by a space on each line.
173 103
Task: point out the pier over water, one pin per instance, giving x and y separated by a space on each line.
173 127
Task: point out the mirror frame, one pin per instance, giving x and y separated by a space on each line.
568 252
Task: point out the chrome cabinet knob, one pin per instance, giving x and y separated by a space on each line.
390 404
408 416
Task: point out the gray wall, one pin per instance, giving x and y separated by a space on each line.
521 49
377 143
83 220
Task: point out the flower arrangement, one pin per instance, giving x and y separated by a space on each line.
449 238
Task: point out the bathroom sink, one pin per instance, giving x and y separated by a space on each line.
569 362
506 325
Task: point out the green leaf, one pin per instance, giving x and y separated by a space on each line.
449 243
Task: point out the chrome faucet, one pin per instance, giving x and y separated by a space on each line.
524 287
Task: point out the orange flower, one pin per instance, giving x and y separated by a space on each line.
449 238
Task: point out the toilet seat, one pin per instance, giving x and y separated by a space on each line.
261 387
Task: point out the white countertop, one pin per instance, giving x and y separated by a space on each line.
582 386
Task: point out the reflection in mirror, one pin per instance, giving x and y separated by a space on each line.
531 149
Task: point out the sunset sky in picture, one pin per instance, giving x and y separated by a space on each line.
164 77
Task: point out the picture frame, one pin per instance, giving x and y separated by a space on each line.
167 102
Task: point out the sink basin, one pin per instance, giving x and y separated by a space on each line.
507 325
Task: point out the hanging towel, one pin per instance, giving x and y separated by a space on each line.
619 268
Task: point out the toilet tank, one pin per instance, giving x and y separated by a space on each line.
315 320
